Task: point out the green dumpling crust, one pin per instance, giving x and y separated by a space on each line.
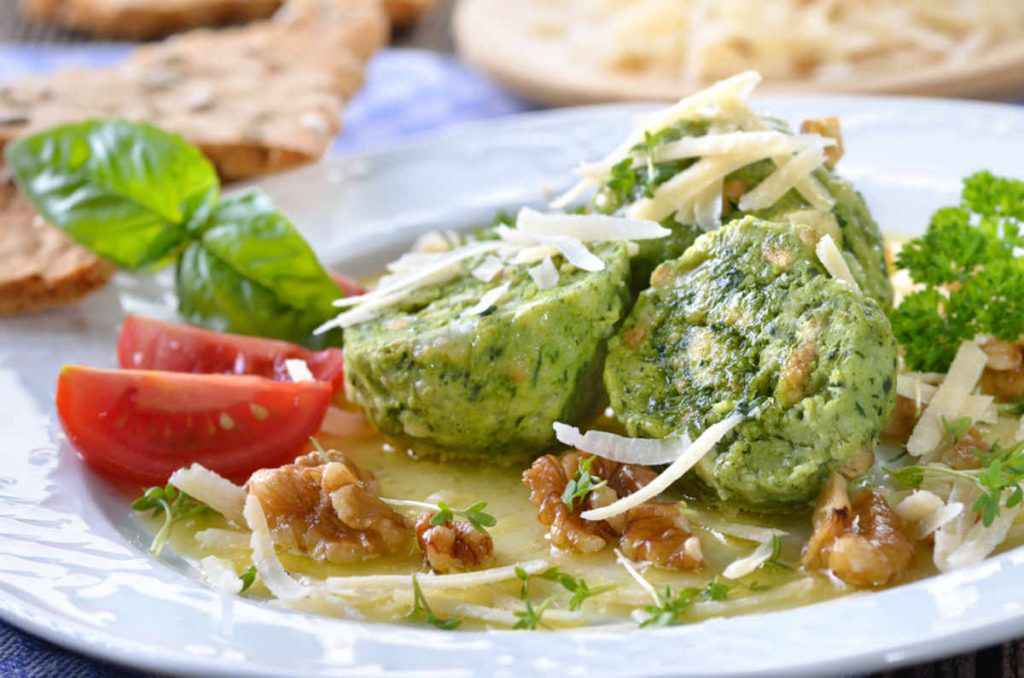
489 386
748 319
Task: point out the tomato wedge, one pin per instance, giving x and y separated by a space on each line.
140 426
148 344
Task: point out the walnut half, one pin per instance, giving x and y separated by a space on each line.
327 507
455 546
655 531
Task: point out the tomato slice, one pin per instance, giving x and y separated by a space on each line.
148 344
349 286
140 425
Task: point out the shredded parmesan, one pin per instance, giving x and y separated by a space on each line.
744 566
832 259
464 580
693 454
927 512
219 574
298 370
264 557
644 451
588 227
215 538
733 529
488 300
630 568
217 492
344 423
737 143
980 541
488 268
779 182
948 400
544 274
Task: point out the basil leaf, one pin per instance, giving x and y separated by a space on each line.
250 272
127 191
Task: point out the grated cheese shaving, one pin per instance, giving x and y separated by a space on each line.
980 541
737 143
298 370
832 259
463 580
488 300
345 423
219 574
544 274
949 398
488 269
218 539
778 183
744 566
701 446
707 208
927 512
733 529
264 557
588 227
217 492
644 451
681 190
630 568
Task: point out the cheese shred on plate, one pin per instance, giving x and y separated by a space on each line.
748 564
949 399
687 460
264 557
832 259
217 492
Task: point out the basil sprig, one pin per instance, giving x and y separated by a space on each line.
142 198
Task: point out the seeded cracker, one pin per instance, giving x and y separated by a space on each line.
257 99
147 19
40 267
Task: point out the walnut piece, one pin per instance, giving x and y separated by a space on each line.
327 507
862 542
1004 375
654 531
829 128
454 546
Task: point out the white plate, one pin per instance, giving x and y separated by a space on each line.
73 565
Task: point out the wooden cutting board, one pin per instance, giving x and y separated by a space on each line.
494 36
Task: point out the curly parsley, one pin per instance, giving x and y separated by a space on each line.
970 265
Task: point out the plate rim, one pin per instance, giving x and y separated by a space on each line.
94 645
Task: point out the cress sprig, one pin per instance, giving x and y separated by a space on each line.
175 505
474 514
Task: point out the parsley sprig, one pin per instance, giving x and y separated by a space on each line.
999 479
581 484
176 507
474 514
421 611
972 272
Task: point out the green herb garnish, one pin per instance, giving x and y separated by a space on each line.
716 590
144 198
248 578
579 588
957 428
530 617
175 505
999 479
972 272
671 606
474 514
421 611
775 559
581 484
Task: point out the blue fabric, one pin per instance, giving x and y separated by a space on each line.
406 92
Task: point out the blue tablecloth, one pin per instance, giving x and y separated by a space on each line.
407 92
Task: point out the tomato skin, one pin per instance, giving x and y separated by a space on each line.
141 425
149 344
349 286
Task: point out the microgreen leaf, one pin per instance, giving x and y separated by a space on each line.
581 484
421 611
474 514
248 578
579 588
671 606
530 617
174 505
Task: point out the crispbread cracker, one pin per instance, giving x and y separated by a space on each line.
144 19
257 99
40 267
